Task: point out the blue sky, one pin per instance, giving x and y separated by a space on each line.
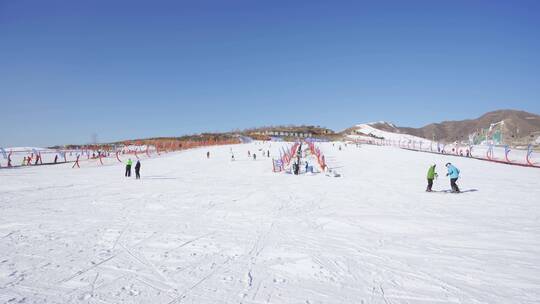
132 69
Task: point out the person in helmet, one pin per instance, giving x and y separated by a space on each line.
453 174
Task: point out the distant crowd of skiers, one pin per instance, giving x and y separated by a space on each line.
250 155
129 162
452 173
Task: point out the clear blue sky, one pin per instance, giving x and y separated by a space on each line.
131 69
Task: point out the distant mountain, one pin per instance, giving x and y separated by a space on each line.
510 126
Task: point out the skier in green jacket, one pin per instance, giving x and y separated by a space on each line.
431 175
128 167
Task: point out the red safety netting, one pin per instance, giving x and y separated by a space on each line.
500 154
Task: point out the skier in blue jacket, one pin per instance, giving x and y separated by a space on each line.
453 173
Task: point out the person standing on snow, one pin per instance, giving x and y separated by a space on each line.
453 173
295 168
138 170
128 167
208 154
431 175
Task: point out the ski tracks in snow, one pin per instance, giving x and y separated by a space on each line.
216 231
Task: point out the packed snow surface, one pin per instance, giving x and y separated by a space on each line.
198 230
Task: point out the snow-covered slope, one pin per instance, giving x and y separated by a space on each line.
370 133
197 230
367 131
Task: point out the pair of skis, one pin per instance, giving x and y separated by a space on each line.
451 191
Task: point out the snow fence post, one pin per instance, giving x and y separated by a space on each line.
528 156
506 152
489 153
4 154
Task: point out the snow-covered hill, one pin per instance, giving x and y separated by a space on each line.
515 127
366 131
197 230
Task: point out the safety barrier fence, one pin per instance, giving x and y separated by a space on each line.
22 157
285 157
499 154
98 154
318 154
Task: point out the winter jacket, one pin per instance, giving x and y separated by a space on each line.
453 172
431 174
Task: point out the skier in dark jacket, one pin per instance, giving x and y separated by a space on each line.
138 170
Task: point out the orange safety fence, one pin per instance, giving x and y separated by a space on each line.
104 154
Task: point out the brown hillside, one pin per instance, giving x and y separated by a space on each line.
519 127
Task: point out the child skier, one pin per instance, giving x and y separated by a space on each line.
431 174
453 173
